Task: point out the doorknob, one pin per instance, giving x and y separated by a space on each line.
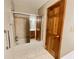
57 36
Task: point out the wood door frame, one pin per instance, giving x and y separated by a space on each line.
38 31
63 10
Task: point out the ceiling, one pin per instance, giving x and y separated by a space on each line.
28 5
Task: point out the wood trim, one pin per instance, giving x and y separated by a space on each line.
54 5
38 27
63 16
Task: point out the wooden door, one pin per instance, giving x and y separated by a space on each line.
38 27
22 29
54 29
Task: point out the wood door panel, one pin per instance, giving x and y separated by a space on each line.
55 25
57 10
48 41
50 25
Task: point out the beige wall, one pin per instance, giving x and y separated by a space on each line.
8 20
67 41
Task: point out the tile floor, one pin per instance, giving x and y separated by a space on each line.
33 50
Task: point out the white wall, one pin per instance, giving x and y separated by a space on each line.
67 39
8 20
68 31
7 8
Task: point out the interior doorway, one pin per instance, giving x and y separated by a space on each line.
22 26
55 14
35 27
27 28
